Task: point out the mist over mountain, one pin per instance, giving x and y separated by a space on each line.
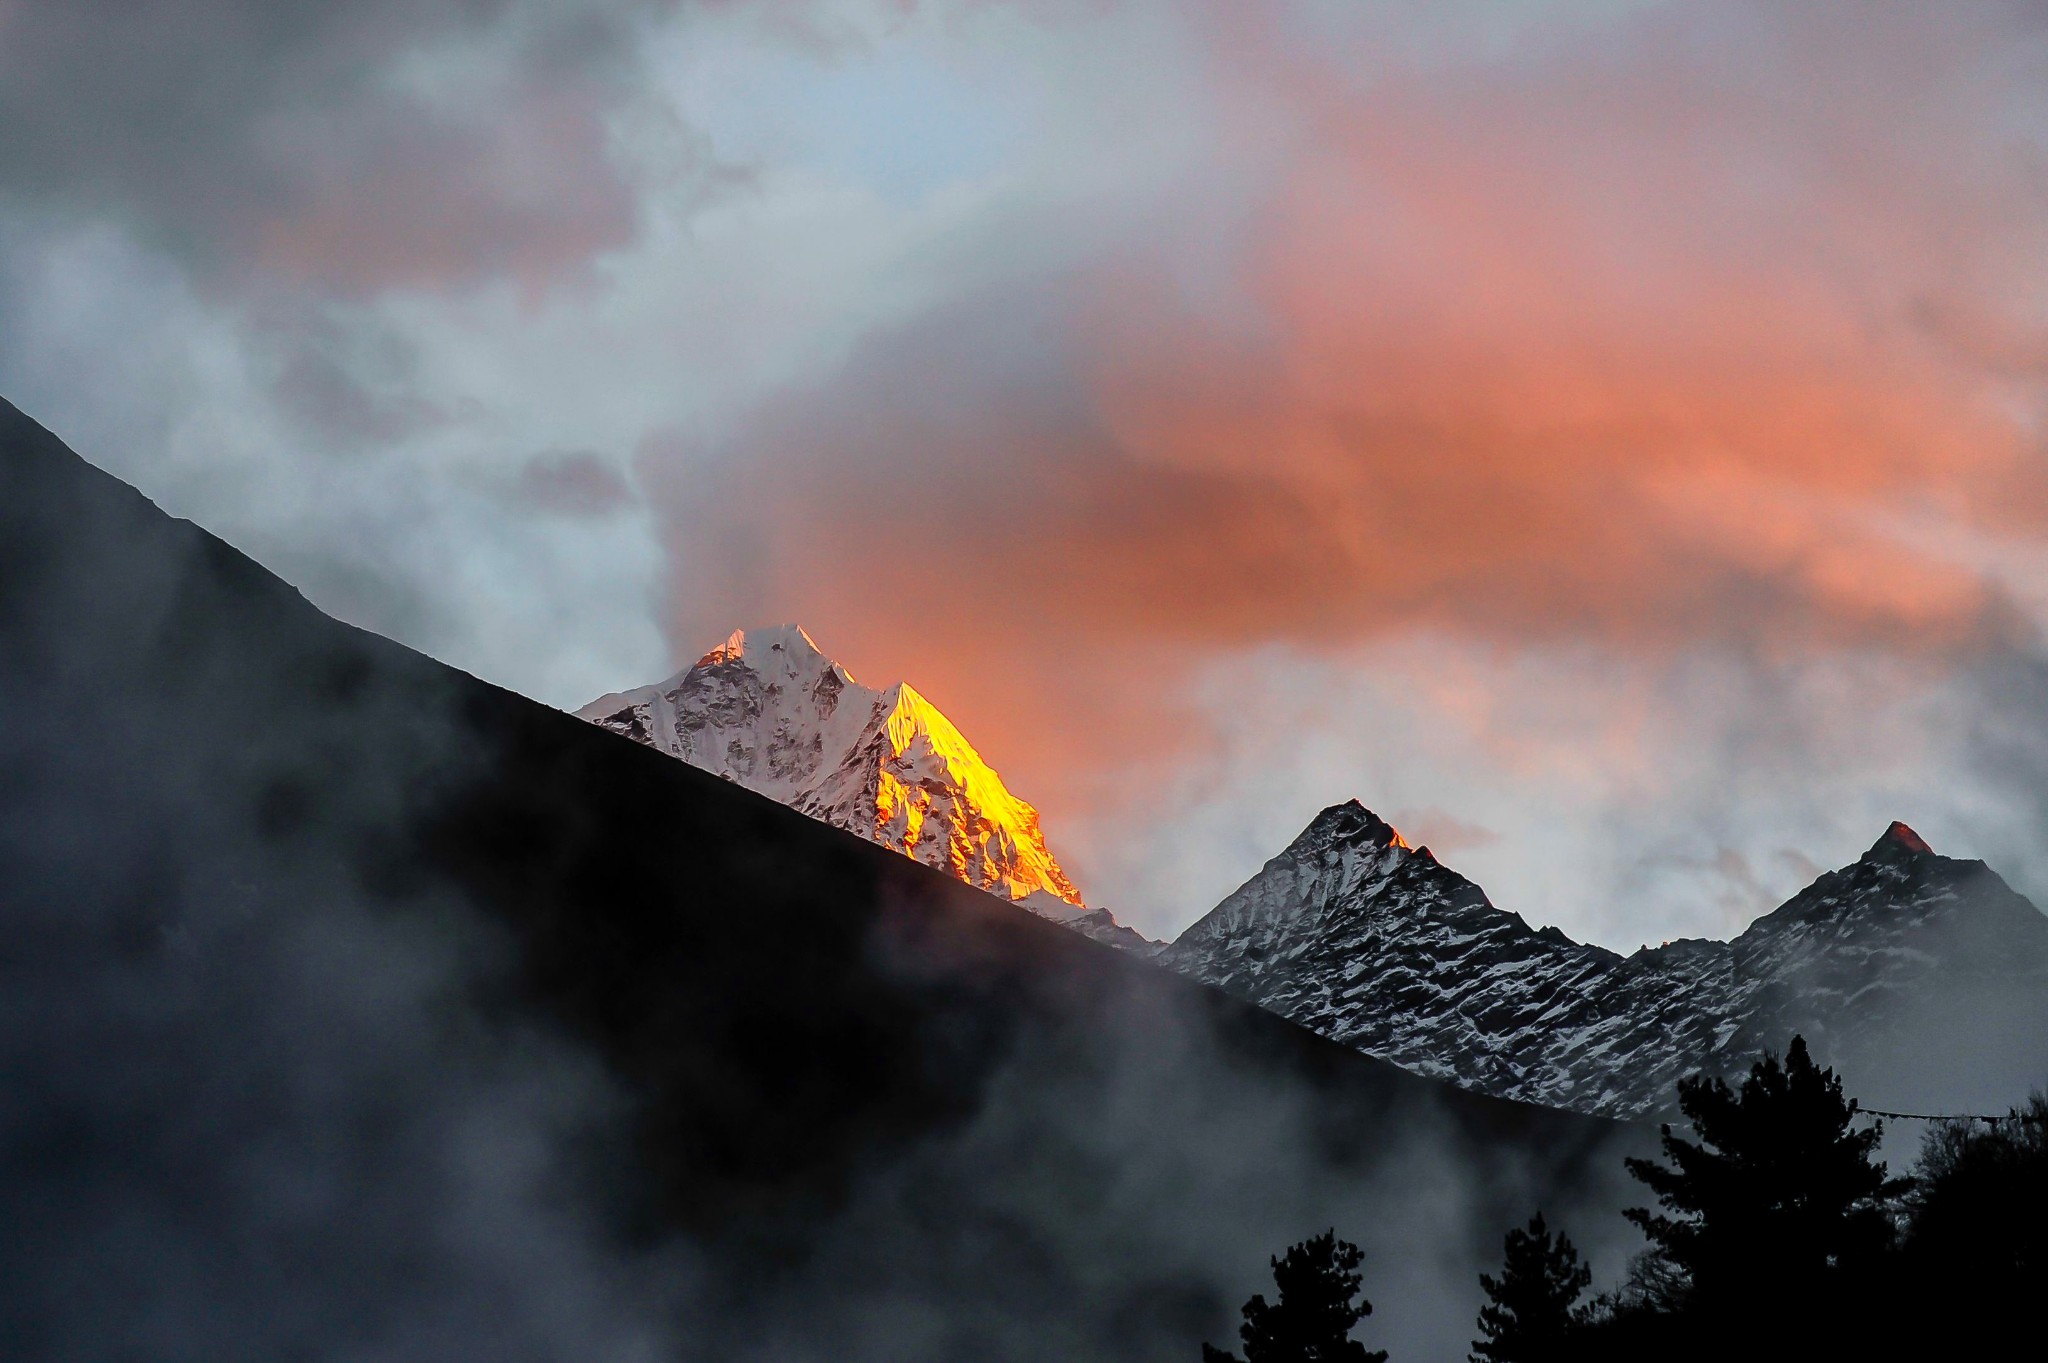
770 711
353 1007
1923 978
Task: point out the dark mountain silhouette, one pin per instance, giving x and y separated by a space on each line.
351 1002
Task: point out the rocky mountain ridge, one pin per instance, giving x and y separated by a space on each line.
1925 978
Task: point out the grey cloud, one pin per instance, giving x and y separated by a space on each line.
1727 878
354 387
969 451
573 483
2007 744
358 589
1441 831
313 140
1797 864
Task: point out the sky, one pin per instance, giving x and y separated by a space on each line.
1604 438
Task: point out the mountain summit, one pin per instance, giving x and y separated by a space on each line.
770 711
1899 840
1923 977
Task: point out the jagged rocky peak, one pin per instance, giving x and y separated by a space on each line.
1354 934
1342 845
1924 977
1899 870
768 709
1351 823
1896 841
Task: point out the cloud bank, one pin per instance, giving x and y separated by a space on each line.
1613 426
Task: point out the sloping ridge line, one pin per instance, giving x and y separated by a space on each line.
784 1000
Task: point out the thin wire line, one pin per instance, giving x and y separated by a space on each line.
1951 1116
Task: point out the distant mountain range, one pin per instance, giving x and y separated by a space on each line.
768 710
1924 978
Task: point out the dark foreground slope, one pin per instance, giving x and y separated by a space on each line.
352 1007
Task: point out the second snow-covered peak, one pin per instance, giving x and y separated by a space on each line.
1344 849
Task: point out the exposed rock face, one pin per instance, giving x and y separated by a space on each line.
768 710
1924 977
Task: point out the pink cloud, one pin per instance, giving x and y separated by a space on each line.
1649 335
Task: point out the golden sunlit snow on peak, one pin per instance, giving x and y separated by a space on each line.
769 710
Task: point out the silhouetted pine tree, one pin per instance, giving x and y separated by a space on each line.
1777 1194
1312 1321
1528 1317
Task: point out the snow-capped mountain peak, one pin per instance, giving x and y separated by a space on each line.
783 649
768 709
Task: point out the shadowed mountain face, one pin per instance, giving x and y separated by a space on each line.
1923 978
350 1006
